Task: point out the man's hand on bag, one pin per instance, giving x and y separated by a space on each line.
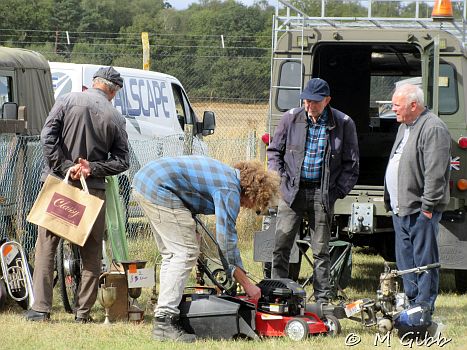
82 168
85 168
75 172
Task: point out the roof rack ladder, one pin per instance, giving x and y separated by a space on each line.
281 25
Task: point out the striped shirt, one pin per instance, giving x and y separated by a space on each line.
314 149
204 186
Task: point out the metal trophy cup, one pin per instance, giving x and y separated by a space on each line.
135 313
107 297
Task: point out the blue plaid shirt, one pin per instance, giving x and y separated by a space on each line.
314 149
204 186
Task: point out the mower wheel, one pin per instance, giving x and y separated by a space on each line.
385 325
333 325
296 329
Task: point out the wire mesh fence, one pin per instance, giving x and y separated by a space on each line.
22 163
20 169
231 80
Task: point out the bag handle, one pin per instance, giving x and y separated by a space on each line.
81 179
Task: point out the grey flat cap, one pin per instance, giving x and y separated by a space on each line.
110 74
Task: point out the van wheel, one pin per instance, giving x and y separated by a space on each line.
461 281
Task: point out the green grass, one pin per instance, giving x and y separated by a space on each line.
62 333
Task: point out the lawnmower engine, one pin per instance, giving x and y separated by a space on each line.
389 298
393 305
281 297
281 312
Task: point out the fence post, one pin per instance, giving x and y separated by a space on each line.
251 145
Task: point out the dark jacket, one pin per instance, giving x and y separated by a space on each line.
85 125
424 167
286 153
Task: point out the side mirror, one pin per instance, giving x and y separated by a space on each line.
209 123
10 110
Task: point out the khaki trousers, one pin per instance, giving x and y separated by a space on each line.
91 255
177 241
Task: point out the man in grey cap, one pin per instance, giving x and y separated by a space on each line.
315 151
86 135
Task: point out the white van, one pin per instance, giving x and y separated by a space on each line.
154 104
160 120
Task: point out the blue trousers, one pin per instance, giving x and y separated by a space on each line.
416 245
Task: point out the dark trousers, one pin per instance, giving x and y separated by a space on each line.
307 203
416 245
91 255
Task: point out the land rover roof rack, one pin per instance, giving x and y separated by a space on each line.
288 17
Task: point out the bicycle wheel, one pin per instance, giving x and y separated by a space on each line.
69 273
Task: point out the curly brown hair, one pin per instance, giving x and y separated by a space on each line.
261 186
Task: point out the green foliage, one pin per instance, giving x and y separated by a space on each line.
66 15
219 49
334 8
19 15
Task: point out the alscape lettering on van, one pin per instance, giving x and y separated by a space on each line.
143 97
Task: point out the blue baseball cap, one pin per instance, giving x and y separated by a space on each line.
316 90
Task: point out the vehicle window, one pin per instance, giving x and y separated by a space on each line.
181 104
382 87
6 89
290 79
62 83
381 90
448 101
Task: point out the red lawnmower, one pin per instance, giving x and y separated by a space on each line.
219 313
281 311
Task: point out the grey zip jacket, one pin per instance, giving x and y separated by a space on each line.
423 177
286 153
85 125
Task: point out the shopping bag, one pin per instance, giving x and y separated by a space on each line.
67 211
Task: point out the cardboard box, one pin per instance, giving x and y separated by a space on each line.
119 310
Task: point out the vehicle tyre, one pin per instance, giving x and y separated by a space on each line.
296 329
461 281
333 325
69 273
